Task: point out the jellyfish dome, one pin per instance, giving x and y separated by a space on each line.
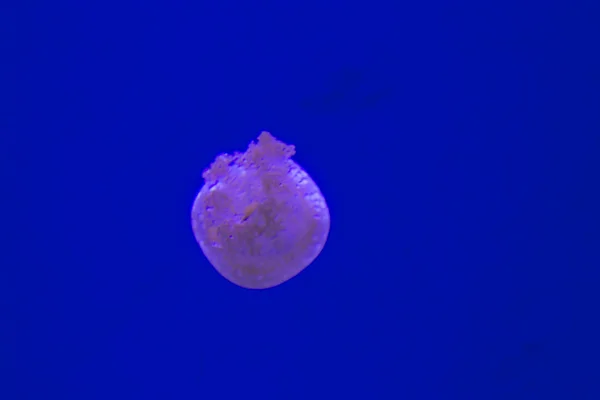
259 218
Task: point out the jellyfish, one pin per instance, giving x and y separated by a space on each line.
259 218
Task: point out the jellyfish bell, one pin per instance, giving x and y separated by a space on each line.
259 218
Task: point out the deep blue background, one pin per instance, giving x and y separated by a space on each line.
456 145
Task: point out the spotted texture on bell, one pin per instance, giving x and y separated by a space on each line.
259 218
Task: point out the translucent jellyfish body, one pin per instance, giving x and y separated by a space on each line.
259 218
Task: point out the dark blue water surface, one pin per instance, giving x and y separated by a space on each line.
456 144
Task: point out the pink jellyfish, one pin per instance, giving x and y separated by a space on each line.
259 218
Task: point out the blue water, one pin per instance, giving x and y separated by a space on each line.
456 145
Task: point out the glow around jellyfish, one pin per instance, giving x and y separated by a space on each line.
259 218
